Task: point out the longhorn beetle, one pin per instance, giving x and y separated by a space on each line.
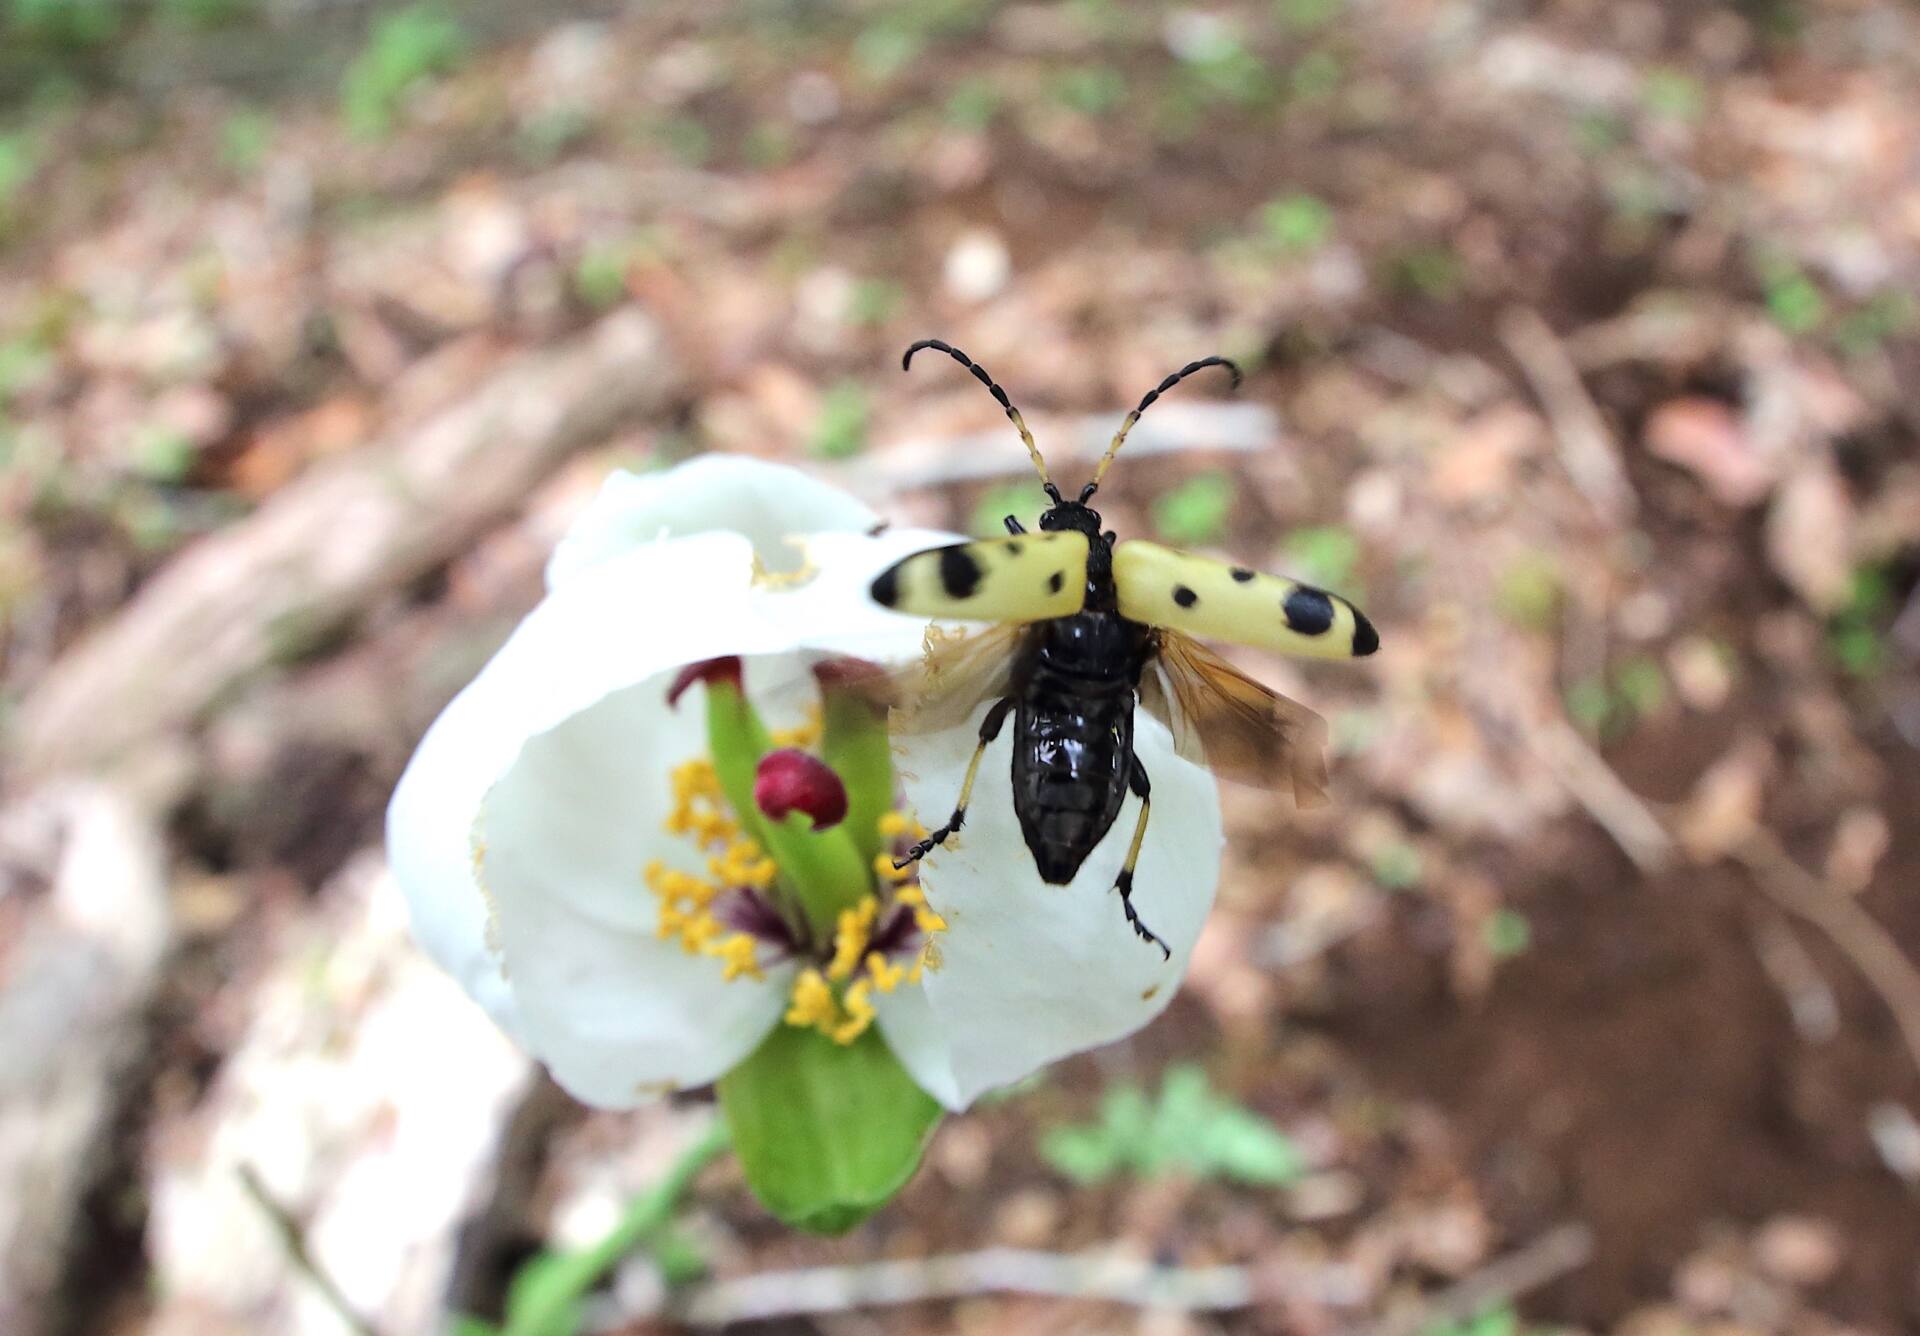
1084 627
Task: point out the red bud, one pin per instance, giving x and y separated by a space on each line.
725 669
790 780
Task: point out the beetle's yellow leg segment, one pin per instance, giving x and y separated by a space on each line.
1137 781
989 730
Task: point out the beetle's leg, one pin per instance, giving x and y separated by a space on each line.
989 730
1015 526
1137 781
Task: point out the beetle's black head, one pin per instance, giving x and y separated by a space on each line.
1072 516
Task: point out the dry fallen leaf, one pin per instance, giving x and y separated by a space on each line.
1705 437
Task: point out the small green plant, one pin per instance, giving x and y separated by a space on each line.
60 25
1194 513
1507 934
841 430
1009 498
1316 75
547 1295
687 138
1884 316
245 137
1672 95
204 13
1092 90
1295 224
875 301
600 275
885 49
1433 272
1528 592
1854 634
1189 1129
972 106
1306 15
1793 299
19 160
1500 1320
1324 555
1397 866
1641 685
406 48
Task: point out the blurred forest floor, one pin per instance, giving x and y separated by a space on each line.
1583 353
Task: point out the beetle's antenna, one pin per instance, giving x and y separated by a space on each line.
1120 437
1013 414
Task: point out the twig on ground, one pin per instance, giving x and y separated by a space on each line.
1587 447
1815 1012
1171 428
832 1289
1617 809
1549 1257
293 1238
1857 933
328 544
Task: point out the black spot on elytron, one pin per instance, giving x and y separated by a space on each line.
1056 582
1241 574
959 572
1013 546
1365 639
1184 596
1309 611
886 587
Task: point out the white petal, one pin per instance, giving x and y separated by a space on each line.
617 1014
1031 973
920 1039
832 609
767 503
625 621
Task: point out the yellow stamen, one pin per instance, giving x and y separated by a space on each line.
813 1002
886 976
859 1004
850 938
928 921
896 823
736 954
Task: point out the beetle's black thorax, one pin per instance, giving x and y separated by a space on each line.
1073 736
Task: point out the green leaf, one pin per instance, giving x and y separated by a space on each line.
1507 934
826 1133
1190 1129
841 430
1196 511
1018 499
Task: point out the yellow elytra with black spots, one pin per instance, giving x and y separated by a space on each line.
1020 578
1088 628
1210 599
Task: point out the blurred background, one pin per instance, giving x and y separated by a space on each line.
1583 352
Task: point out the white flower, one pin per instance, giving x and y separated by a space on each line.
531 835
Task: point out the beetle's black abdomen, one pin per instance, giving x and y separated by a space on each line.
1073 739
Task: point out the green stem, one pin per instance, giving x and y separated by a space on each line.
572 1275
853 741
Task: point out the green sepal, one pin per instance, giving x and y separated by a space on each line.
826 1133
853 740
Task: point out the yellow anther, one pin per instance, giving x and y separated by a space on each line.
850 937
859 1004
886 975
893 825
736 954
909 895
812 1003
928 921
